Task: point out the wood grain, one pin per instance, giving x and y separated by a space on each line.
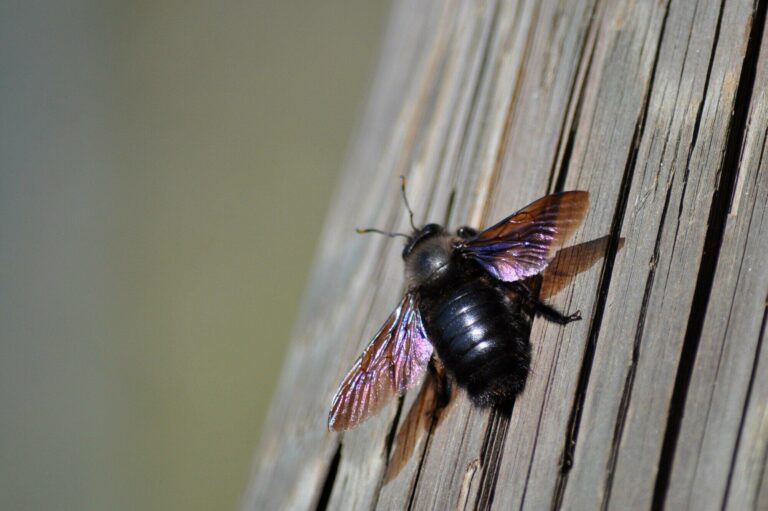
727 383
658 397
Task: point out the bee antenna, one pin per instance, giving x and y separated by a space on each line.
405 199
385 233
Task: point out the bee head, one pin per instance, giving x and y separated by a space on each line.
427 255
427 251
419 236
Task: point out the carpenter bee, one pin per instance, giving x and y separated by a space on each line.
469 302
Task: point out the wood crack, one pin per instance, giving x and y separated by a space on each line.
558 173
758 351
330 479
717 220
584 375
490 457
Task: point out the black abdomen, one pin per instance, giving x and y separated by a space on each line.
480 332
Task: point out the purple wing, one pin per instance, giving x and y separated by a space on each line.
393 362
524 243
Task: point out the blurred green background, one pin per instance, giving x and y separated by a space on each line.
164 169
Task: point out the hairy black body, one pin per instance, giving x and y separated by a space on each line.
479 326
467 309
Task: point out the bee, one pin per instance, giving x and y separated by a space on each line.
469 303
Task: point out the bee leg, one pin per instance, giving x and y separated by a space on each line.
443 385
542 309
554 315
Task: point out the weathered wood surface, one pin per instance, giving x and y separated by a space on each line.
659 398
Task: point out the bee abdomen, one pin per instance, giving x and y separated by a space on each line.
482 338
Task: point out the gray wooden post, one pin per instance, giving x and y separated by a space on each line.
659 397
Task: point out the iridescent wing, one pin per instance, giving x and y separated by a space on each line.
524 243
393 362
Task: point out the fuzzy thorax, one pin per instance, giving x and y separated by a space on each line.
428 261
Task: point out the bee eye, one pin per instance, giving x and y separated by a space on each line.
466 232
431 228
